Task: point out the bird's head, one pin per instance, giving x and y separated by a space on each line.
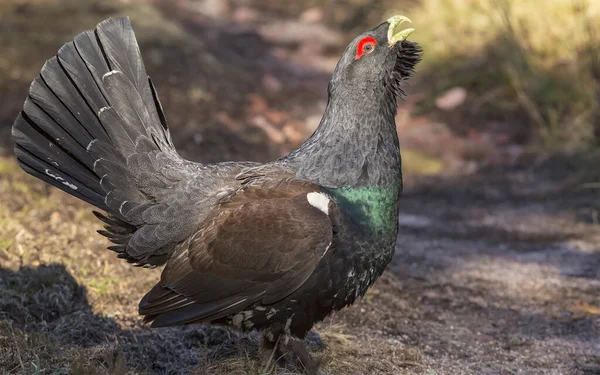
356 143
375 63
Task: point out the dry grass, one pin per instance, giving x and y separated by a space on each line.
524 63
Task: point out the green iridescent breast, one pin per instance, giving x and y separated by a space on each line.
373 207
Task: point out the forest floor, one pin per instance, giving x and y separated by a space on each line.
497 266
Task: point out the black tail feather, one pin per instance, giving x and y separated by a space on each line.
94 127
85 113
46 172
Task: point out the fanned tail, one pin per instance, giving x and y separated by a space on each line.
91 119
86 112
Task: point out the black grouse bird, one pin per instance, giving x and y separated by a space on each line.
274 247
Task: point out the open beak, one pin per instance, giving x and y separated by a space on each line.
395 35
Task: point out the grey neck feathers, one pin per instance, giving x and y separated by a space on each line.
356 143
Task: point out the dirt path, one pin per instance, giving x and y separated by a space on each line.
489 281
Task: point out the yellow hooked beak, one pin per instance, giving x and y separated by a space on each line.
394 35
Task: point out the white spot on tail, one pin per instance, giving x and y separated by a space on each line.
121 207
102 109
91 143
72 186
319 201
60 179
110 74
95 162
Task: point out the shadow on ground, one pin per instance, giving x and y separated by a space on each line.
48 326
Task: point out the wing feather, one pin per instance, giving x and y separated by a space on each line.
257 247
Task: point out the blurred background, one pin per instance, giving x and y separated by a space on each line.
502 81
498 264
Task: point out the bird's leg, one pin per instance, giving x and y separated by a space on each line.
296 347
269 348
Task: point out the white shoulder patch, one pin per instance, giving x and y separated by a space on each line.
319 201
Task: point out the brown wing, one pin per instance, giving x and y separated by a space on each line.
258 246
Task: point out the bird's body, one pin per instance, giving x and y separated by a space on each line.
353 261
274 247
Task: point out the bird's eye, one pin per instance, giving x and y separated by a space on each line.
365 46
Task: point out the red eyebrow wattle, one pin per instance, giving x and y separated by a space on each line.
361 44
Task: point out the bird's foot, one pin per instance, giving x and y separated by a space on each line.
295 348
290 350
269 353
